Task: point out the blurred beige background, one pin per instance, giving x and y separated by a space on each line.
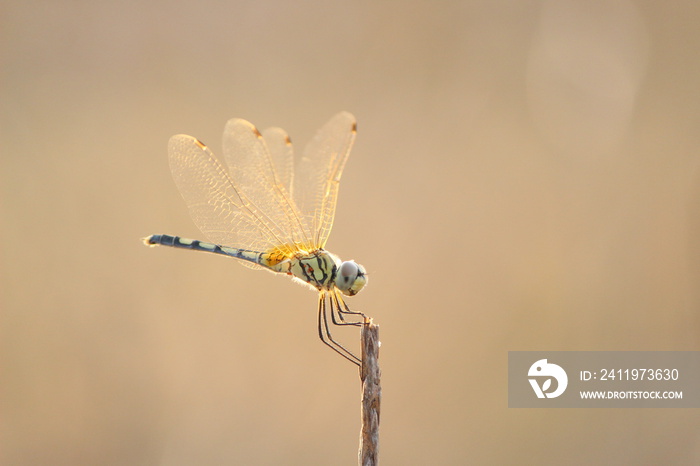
526 177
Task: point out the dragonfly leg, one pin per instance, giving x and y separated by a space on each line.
343 308
335 311
324 332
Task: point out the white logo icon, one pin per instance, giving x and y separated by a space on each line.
543 369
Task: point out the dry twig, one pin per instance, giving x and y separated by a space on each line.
371 395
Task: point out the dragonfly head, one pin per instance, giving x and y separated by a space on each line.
350 278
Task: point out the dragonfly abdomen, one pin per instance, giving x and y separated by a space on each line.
197 245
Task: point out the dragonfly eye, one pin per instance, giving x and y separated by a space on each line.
351 278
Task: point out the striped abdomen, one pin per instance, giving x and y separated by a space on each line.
272 261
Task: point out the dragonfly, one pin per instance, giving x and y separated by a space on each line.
270 213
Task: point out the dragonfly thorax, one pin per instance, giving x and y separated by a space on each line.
324 270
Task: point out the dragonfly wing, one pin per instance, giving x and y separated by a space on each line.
216 206
282 154
317 176
254 173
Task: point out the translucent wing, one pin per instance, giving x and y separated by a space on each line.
221 211
255 175
282 154
318 173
